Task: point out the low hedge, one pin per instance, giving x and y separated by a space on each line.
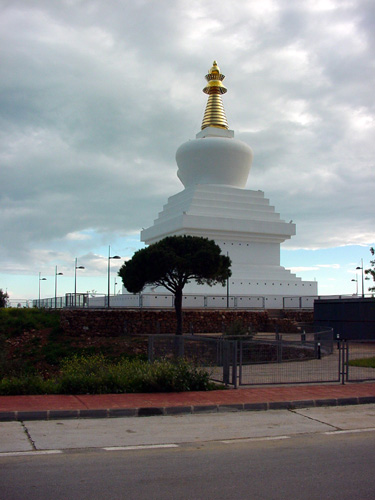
96 375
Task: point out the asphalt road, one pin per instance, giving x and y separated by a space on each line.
313 453
303 467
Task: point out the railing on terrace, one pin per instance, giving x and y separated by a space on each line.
190 301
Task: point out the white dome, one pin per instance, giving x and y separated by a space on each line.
214 160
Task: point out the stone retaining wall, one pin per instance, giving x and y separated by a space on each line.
115 322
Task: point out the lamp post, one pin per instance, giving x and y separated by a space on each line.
40 279
361 268
228 288
56 274
109 273
356 284
75 281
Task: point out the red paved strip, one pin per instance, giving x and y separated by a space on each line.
164 400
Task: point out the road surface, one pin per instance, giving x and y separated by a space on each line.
317 453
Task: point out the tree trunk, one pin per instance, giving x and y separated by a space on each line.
178 309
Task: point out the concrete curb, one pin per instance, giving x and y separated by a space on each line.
9 416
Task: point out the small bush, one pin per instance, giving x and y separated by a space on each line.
238 329
31 384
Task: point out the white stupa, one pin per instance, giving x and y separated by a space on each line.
214 169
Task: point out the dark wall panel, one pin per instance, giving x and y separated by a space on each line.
349 318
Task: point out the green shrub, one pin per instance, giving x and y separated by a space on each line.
238 329
96 375
32 384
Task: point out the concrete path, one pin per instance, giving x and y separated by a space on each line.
48 407
173 431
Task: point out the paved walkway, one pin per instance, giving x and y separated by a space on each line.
112 405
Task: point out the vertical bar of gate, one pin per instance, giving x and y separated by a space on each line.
234 365
225 353
342 361
347 360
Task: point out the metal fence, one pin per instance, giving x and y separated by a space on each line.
313 357
217 355
308 358
358 360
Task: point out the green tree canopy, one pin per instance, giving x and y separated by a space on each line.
172 263
371 270
3 298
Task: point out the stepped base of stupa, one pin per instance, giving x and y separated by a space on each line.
245 226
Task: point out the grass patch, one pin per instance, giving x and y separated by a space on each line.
363 362
97 375
13 322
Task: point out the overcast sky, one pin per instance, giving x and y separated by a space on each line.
96 97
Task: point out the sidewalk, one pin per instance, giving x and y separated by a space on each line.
121 405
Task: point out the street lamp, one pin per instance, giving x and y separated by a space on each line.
75 281
361 268
56 274
109 273
356 285
40 279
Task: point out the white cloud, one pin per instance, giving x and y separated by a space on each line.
329 266
77 236
299 269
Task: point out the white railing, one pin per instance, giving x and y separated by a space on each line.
189 301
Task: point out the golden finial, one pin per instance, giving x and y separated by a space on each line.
214 115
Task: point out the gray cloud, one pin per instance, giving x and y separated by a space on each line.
97 96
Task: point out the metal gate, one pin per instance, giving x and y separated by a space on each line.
358 360
313 358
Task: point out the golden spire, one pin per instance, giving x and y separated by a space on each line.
214 115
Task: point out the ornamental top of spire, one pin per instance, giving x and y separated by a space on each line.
214 115
214 79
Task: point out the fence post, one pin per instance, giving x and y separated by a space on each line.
234 365
226 362
279 348
150 348
347 360
240 363
342 349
